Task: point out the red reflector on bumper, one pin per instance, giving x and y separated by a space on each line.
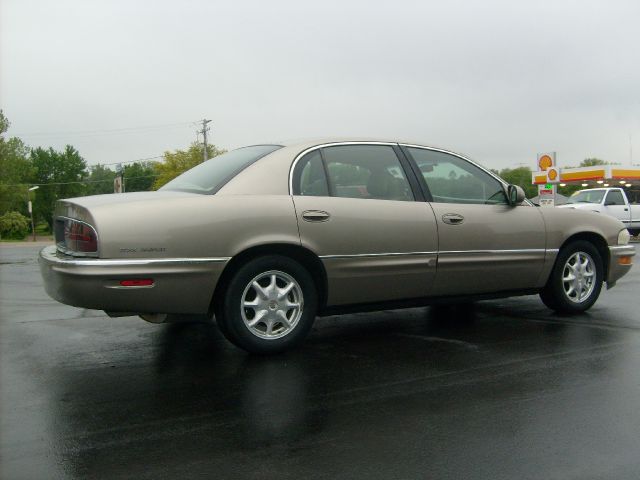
137 282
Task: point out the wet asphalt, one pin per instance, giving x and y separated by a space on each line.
502 389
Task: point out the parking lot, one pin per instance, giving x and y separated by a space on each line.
502 389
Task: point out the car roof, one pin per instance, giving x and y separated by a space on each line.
312 142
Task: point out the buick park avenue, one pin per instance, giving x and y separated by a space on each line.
265 238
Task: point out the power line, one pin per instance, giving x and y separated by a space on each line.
130 161
104 131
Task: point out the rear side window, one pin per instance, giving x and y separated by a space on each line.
352 171
366 171
313 180
212 175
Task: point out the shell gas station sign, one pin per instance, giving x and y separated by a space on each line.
549 175
547 170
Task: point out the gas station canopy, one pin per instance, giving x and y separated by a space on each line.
597 176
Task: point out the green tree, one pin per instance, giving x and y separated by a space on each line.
180 161
4 123
139 176
15 171
520 176
14 225
100 180
592 162
61 174
568 190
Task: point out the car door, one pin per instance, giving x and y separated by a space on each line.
615 206
485 244
358 211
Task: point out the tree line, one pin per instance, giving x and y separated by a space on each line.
65 174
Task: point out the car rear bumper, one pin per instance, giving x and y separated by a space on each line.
620 262
180 285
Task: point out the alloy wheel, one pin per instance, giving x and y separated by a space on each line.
578 277
272 304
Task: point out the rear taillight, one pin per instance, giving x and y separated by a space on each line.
79 237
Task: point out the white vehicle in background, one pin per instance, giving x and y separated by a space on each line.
610 201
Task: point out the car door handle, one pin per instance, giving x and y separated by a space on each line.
626 209
315 215
452 218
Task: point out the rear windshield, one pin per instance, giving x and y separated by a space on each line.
210 176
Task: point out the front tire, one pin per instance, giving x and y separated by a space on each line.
268 306
576 279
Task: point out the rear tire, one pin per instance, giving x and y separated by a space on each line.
576 279
268 306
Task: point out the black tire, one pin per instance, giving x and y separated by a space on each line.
558 294
273 334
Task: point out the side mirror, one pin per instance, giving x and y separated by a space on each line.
515 194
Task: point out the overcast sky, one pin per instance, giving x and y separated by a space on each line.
496 80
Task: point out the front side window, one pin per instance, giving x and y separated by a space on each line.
210 176
451 179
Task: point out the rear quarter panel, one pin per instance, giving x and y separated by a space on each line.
194 226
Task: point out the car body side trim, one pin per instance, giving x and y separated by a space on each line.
624 249
498 252
395 254
445 252
51 256
146 261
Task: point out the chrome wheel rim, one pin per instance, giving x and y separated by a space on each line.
579 277
272 305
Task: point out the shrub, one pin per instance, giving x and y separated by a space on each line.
14 225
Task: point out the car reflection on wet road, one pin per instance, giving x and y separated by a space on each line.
502 389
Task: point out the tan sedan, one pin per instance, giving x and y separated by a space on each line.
267 237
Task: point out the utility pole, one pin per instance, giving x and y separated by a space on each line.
204 131
30 208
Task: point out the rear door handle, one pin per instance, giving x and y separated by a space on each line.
315 215
452 218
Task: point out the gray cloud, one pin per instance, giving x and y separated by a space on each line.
497 80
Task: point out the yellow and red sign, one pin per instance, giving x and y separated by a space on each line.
553 176
546 161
